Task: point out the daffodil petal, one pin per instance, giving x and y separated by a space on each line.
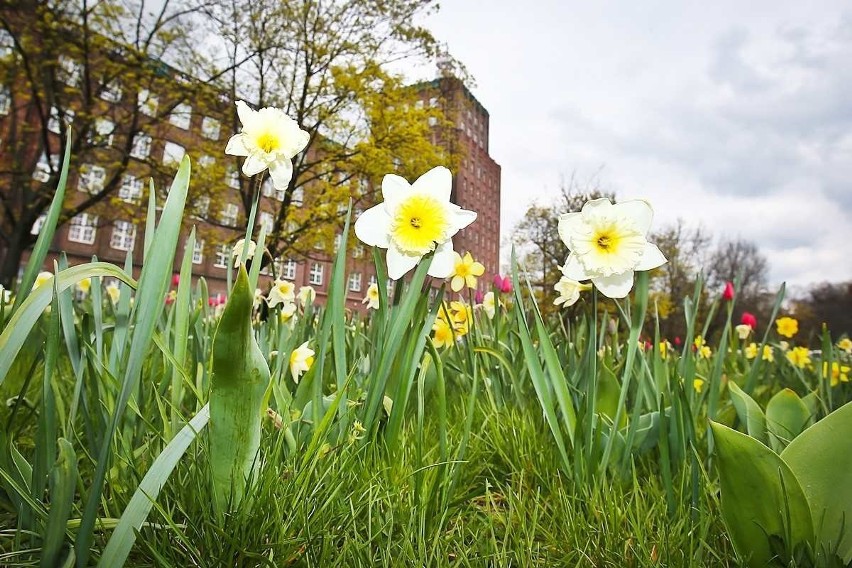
573 269
400 263
477 269
437 182
460 219
253 165
568 224
639 211
237 146
651 258
444 262
615 286
246 114
457 283
373 227
297 138
394 189
281 171
598 206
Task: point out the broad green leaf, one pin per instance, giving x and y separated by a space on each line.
821 458
761 497
786 417
749 413
608 396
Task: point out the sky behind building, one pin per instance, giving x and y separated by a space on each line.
736 116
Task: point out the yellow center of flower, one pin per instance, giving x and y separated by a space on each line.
611 246
419 223
267 141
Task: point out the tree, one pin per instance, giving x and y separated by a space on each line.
329 66
106 69
826 303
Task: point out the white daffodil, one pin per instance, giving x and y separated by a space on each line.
307 295
269 139
238 251
5 295
114 292
41 279
569 291
287 311
84 285
372 297
414 220
743 330
489 304
608 244
282 292
301 360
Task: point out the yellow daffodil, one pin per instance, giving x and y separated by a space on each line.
282 292
787 326
84 285
414 220
743 331
307 295
238 251
301 360
845 344
372 297
569 291
799 357
664 347
839 373
705 352
462 315
465 272
443 334
698 384
114 292
751 351
768 354
42 278
608 243
287 311
699 342
268 139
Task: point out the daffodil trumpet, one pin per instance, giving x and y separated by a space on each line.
238 382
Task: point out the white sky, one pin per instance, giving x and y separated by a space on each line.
733 115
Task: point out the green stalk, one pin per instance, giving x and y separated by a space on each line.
238 382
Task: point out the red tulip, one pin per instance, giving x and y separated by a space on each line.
175 279
728 294
502 283
677 341
749 320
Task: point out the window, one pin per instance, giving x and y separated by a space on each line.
229 214
198 252
7 44
210 128
266 222
358 252
111 92
233 178
288 269
44 168
91 178
279 194
223 256
83 228
69 71
338 238
355 282
141 146
267 188
56 122
130 190
147 102
39 223
181 116
418 104
432 121
123 236
104 130
433 102
5 100
202 206
315 277
173 154
372 279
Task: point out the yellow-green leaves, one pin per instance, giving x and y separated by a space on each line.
238 382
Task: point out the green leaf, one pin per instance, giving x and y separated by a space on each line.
63 483
761 498
786 417
821 458
608 396
749 413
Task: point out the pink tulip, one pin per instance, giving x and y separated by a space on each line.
749 320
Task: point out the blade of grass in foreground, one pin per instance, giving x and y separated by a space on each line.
124 535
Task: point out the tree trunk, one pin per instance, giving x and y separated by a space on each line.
11 256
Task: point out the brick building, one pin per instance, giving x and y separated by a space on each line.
172 116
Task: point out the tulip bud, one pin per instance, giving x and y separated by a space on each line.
677 341
749 320
728 293
478 297
175 279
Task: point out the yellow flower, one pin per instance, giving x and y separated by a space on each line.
372 297
839 373
743 331
84 285
41 279
287 311
698 384
465 272
845 344
786 326
269 139
664 347
799 357
699 342
444 336
462 315
705 352
301 360
114 292
282 292
768 355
